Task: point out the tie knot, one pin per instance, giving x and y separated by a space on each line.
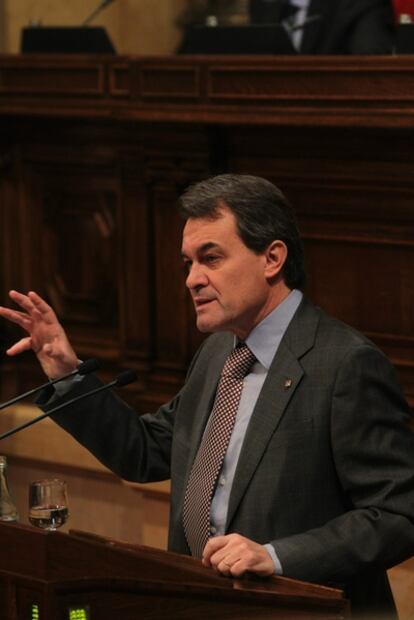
287 10
239 362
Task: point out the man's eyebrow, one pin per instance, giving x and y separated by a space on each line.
210 245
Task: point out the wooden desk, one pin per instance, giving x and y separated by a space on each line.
55 576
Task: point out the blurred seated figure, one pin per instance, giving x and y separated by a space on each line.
331 26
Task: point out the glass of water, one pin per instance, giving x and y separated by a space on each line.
48 503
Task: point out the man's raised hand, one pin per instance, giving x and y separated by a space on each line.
45 335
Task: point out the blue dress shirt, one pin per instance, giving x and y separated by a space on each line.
263 341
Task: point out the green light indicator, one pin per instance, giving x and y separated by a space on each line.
78 613
35 612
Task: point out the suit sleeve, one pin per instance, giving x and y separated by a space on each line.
373 451
135 447
373 31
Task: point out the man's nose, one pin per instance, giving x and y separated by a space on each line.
196 277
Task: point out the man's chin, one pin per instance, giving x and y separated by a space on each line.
204 328
208 327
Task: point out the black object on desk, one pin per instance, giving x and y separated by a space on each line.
404 39
251 39
66 40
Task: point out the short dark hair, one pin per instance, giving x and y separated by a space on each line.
262 212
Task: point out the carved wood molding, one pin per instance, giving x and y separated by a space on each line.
302 91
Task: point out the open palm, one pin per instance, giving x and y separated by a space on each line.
45 335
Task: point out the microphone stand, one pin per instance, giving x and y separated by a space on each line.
101 6
83 369
123 379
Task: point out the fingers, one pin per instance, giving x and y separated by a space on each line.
35 310
213 546
34 305
46 337
40 305
23 319
20 318
21 300
234 555
217 555
23 345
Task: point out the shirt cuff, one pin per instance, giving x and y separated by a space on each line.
62 387
271 551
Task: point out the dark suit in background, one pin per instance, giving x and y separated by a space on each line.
326 472
345 27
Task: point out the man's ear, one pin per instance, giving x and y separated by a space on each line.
275 255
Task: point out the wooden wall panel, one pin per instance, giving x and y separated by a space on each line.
174 157
135 249
89 182
355 209
71 215
9 253
79 228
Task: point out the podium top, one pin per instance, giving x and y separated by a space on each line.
57 556
54 574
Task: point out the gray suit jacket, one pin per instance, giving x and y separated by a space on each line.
326 471
350 27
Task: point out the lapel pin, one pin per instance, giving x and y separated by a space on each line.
287 384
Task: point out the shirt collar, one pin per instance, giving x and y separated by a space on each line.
301 4
265 338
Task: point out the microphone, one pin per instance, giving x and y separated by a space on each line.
126 377
101 6
83 369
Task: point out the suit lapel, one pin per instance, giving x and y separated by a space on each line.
312 32
282 381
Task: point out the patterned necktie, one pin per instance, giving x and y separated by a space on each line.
213 447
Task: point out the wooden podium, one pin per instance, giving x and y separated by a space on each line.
79 576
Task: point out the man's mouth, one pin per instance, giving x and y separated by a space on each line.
200 302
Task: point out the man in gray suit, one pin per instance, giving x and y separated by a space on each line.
317 482
332 26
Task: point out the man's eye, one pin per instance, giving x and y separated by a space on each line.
211 258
